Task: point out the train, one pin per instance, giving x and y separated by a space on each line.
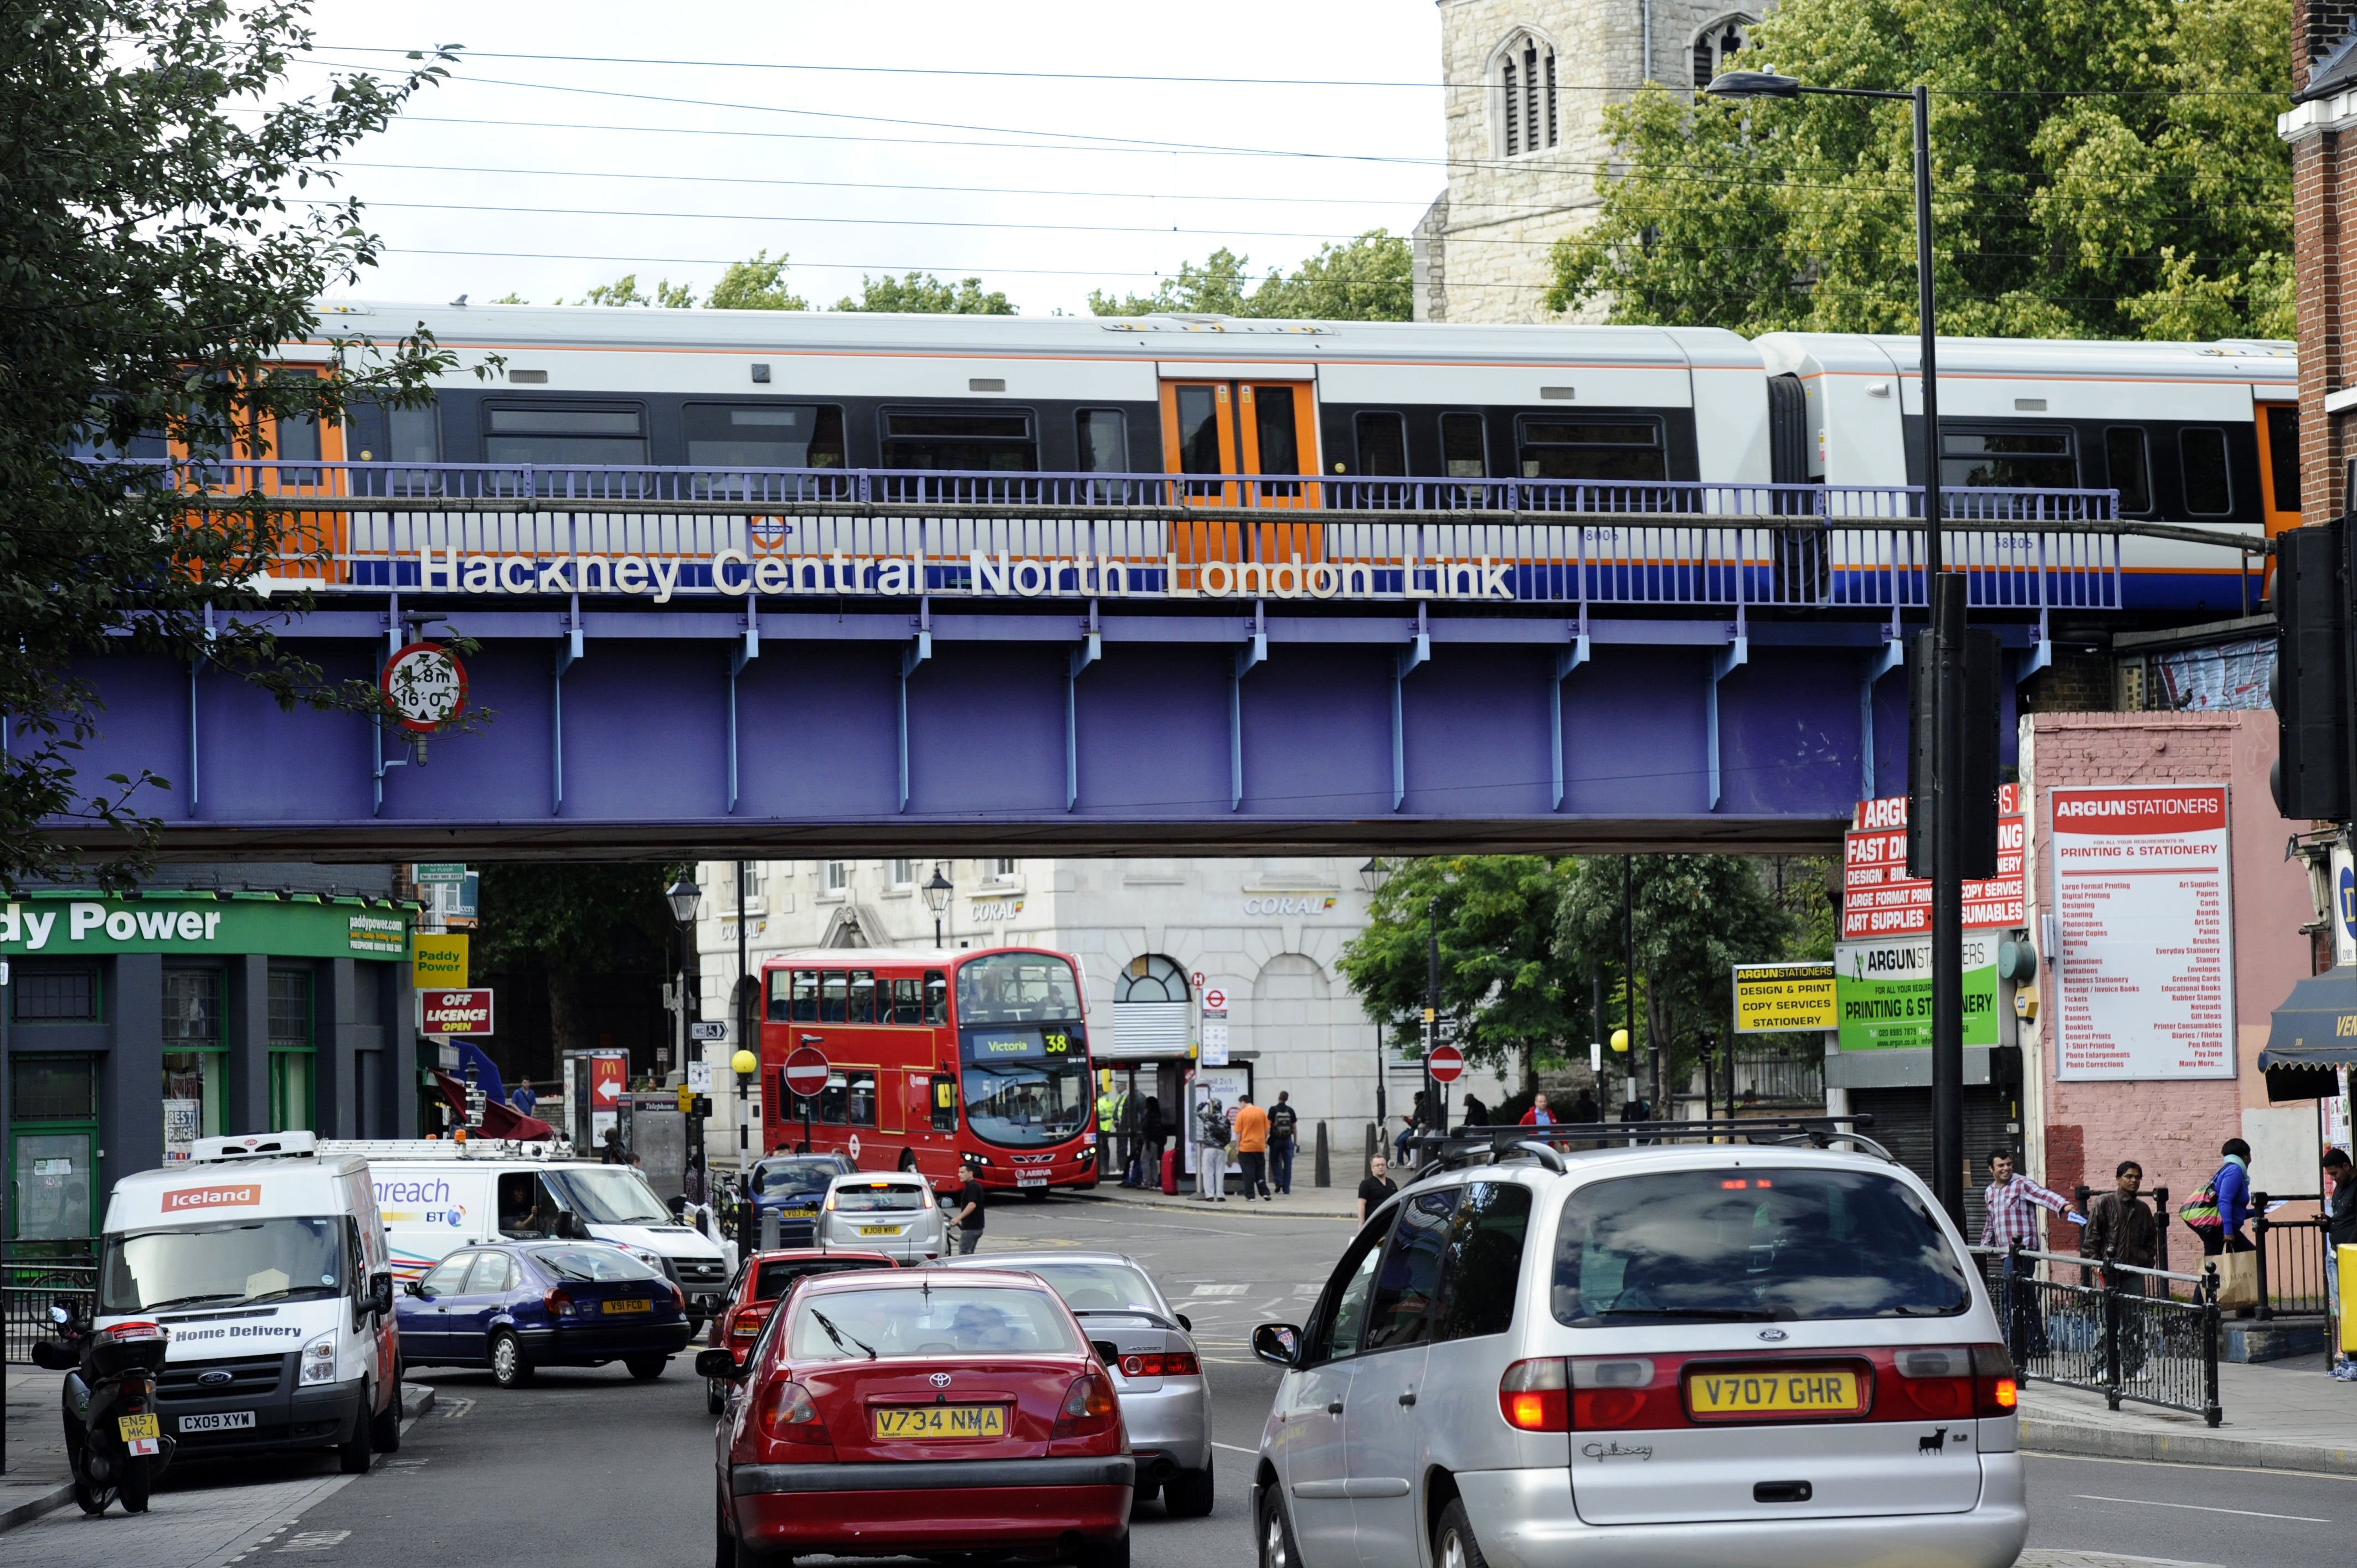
2204 435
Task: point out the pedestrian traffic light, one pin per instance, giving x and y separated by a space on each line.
686 1100
2309 687
1976 781
700 1105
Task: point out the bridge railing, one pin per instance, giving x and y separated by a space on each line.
494 528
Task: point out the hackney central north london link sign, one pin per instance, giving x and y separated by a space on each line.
979 574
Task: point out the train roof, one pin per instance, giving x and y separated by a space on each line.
2229 360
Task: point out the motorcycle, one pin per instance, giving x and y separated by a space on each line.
115 1444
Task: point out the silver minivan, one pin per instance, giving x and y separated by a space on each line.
1776 1355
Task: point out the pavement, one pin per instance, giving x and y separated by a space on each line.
2279 1415
1319 1202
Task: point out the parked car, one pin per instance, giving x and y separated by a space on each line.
896 1214
794 1186
1772 1355
926 1413
1166 1401
527 1304
764 1281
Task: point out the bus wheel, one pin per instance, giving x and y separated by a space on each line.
908 1159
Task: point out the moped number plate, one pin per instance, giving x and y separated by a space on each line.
219 1421
136 1427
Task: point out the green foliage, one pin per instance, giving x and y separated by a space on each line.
1499 980
152 268
572 922
756 285
624 290
2139 189
512 298
922 293
1366 279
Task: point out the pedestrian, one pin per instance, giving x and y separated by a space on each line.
1211 1152
1151 1124
522 1098
2122 1230
2011 1223
1251 1147
1538 1116
1475 1113
611 1154
1284 1127
691 1181
2216 1213
968 1218
1405 1141
1583 1109
2339 1231
1377 1187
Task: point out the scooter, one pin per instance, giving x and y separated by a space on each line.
115 1444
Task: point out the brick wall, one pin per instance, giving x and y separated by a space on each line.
2076 682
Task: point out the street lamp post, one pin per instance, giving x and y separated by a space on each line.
684 897
1945 597
1433 1118
1372 877
937 898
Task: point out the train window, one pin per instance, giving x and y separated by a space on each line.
1105 441
2283 454
563 437
414 434
2202 452
1591 450
1198 430
1280 445
2009 459
995 443
1382 445
765 435
1464 447
2131 467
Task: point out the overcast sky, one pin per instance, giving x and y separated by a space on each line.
950 197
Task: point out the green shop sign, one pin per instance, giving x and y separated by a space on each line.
63 925
1884 992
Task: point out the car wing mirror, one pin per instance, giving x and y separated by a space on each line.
719 1362
415 1288
1186 1323
1278 1344
381 1292
569 1226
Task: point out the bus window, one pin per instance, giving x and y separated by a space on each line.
861 1087
863 996
907 999
805 996
937 997
1017 988
848 1098
945 1103
835 996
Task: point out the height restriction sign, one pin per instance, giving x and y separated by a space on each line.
1773 997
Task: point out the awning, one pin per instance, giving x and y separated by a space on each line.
2314 1031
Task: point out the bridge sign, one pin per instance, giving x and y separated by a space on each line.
424 687
1445 1064
806 1070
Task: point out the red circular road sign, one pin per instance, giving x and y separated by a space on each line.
806 1069
1447 1064
424 687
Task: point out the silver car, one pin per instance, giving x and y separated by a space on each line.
876 1212
1776 1355
1166 1401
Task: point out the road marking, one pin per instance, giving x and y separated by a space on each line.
315 1540
459 1405
2199 1508
1233 1449
1220 1290
2156 1464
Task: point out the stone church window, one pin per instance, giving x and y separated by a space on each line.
1715 48
1526 87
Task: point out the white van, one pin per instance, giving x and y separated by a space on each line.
438 1197
268 1263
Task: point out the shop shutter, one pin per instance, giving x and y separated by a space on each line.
1902 1123
1149 1030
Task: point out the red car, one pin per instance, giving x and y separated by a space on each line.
922 1413
762 1283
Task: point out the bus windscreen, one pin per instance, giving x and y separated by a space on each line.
1025 1053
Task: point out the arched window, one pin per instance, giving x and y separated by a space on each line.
1716 46
1150 1008
1525 88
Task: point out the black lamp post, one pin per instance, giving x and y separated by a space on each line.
1372 877
937 898
1945 596
684 897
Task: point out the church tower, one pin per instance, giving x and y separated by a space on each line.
1528 82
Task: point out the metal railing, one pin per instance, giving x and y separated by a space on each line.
2108 1327
2294 1255
28 1288
838 533
1797 1078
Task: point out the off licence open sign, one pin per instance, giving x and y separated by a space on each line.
454 1012
1774 996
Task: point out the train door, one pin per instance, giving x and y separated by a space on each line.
2278 425
312 545
1260 431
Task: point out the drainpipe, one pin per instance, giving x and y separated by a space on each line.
1645 27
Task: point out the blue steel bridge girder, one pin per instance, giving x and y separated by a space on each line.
723 727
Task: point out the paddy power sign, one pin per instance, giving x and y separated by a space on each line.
66 925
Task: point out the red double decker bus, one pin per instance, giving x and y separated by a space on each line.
933 1057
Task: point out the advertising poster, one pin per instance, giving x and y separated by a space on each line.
1880 901
2142 895
182 1119
1885 993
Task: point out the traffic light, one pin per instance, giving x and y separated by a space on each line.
2309 687
1977 782
687 1101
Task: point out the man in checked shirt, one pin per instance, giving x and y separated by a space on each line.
2013 1220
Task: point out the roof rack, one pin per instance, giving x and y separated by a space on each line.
1491 1145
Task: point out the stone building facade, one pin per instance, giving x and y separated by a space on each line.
1527 83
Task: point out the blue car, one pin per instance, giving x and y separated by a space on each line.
528 1304
793 1186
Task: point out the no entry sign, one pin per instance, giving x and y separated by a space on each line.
1447 1064
805 1069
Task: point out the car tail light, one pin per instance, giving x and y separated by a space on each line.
1089 1407
1534 1396
1994 1392
558 1301
1931 1385
786 1415
1153 1364
745 1322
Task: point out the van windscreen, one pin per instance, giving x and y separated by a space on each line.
1738 1243
228 1263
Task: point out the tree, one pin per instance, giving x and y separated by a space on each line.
624 290
151 267
756 285
1365 279
922 293
568 921
1696 917
1499 982
2102 169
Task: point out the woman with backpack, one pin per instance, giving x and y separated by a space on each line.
2218 1211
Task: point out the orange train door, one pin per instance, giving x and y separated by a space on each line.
2278 425
312 545
1261 430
